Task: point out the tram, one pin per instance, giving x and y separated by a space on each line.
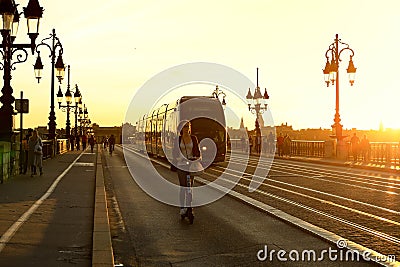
158 130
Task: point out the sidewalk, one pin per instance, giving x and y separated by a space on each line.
49 220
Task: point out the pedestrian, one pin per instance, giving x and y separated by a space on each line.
243 143
105 142
84 141
270 143
250 144
286 145
26 150
186 152
35 154
78 142
279 142
91 143
111 143
258 142
71 142
365 148
355 142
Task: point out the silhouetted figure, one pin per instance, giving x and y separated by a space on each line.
279 142
189 151
26 150
250 144
270 143
355 142
92 141
286 145
84 141
111 143
365 148
35 153
72 142
78 142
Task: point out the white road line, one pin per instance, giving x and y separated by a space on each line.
14 228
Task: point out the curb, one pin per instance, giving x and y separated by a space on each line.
102 252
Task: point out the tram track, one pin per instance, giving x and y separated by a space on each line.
319 172
355 220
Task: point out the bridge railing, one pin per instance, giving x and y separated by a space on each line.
384 152
378 152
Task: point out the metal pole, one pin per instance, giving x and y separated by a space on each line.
7 99
52 117
20 136
338 126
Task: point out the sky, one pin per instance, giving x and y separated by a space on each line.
114 47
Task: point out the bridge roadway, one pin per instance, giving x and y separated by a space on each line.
58 220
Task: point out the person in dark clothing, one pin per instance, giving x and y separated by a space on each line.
78 142
72 142
111 143
91 143
26 150
186 152
84 141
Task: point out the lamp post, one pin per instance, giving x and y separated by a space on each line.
331 75
216 93
257 105
57 66
9 27
68 99
83 118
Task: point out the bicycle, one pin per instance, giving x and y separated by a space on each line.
188 197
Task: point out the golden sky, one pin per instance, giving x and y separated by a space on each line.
114 47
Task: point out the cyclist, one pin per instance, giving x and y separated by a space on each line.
189 153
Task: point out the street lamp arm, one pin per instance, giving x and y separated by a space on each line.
346 48
22 56
52 48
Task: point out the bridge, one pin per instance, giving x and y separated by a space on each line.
87 210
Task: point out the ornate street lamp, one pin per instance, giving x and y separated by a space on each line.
216 93
331 75
257 103
83 119
68 99
9 28
57 69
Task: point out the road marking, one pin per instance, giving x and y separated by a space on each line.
84 164
14 228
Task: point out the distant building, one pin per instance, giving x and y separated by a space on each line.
105 132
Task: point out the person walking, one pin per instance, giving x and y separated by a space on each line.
84 141
91 143
71 142
280 140
35 153
355 142
78 142
26 151
286 145
271 143
365 147
250 144
111 143
186 152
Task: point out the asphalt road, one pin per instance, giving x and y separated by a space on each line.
227 232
